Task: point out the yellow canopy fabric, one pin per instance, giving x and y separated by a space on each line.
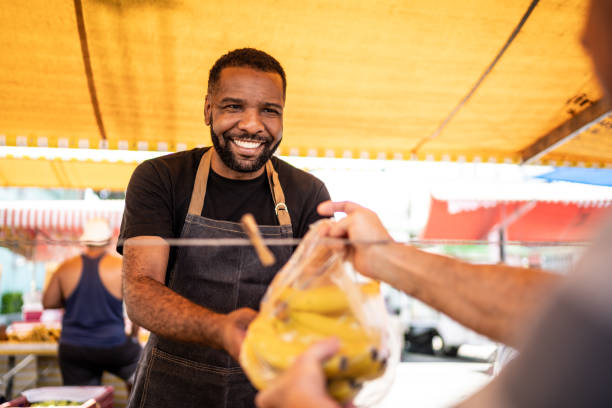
378 79
56 173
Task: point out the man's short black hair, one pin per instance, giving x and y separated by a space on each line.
245 57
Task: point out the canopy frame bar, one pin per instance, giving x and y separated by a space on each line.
480 80
78 9
565 132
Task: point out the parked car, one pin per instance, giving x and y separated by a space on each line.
428 331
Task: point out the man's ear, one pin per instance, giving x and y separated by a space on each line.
207 110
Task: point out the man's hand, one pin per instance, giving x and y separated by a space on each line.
303 385
154 306
360 224
234 329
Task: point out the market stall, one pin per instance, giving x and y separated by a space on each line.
475 81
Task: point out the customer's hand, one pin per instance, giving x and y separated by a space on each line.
360 224
302 385
234 329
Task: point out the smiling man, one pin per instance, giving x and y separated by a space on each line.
245 149
198 300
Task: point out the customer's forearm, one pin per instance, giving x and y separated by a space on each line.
494 300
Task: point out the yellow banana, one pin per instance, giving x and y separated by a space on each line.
358 355
272 343
329 299
370 288
252 365
343 390
355 361
275 344
279 345
345 327
324 299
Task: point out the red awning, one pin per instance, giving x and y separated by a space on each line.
536 221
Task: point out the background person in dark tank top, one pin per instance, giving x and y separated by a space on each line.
93 336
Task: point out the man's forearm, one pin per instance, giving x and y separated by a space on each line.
494 300
155 307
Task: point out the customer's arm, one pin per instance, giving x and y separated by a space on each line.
157 308
495 300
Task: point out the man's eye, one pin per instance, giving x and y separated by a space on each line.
271 111
232 107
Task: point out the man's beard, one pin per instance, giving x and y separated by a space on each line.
243 166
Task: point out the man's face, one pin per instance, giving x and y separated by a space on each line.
245 115
597 39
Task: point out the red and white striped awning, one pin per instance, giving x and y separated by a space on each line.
49 230
58 215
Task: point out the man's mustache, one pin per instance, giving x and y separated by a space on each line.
248 137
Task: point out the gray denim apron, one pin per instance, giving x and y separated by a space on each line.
222 279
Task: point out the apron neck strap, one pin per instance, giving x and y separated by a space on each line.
199 189
280 207
199 186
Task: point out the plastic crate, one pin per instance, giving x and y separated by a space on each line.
92 396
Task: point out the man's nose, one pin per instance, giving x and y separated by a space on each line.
251 122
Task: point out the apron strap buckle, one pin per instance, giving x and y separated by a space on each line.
280 207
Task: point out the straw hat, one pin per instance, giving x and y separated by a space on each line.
96 232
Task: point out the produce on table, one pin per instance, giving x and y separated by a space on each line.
38 333
55 403
11 302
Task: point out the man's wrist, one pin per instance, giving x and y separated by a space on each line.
390 261
218 324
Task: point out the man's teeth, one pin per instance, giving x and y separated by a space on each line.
247 144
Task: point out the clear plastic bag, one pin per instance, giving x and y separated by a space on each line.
317 295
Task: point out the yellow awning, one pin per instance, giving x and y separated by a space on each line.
30 172
473 80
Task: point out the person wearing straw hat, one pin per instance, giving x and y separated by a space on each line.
197 301
88 287
562 326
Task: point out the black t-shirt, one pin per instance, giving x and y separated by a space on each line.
159 193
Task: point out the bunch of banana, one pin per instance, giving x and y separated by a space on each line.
303 317
53 403
38 333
